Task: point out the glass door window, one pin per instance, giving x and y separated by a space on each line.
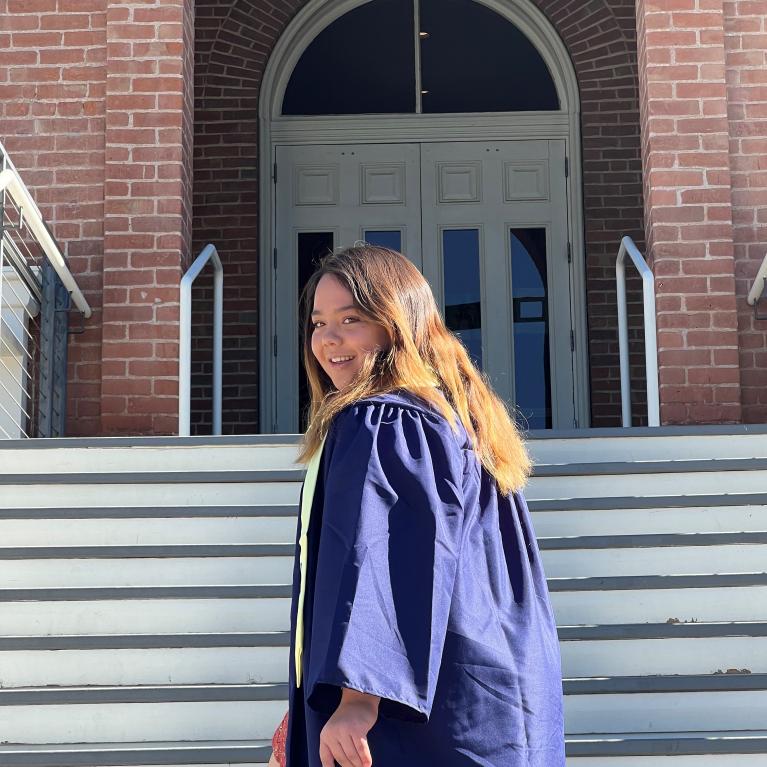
463 300
530 317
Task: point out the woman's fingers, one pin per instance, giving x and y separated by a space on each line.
363 752
348 752
347 756
326 755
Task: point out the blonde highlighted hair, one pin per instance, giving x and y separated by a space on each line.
422 354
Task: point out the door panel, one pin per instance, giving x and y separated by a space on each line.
512 194
486 222
349 192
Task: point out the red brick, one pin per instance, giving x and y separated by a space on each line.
128 350
153 368
126 424
713 376
711 339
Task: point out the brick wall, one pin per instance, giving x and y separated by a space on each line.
146 199
601 39
745 44
234 39
52 123
97 115
689 211
96 110
232 44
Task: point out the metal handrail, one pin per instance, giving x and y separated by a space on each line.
11 182
208 253
650 341
757 289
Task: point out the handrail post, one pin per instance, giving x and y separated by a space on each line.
208 253
650 338
218 347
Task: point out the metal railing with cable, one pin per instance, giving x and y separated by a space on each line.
35 290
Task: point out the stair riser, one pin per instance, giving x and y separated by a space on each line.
624 448
144 616
141 722
669 560
551 524
665 712
127 495
173 616
209 571
197 665
280 457
243 665
569 563
138 531
245 720
221 457
644 657
671 483
573 608
244 493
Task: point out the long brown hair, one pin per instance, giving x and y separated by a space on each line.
422 354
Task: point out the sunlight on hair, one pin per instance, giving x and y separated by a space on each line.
424 357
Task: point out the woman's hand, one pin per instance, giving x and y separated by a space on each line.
344 738
273 761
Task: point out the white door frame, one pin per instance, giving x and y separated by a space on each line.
275 129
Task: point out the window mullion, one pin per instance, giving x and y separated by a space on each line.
417 44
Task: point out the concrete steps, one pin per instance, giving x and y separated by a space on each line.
144 606
248 657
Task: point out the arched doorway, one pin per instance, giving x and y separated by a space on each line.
456 142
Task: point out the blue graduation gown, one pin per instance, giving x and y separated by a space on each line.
424 586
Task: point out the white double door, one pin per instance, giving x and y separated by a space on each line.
485 222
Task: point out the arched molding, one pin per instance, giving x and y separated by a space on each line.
315 16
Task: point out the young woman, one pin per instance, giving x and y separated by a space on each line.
421 628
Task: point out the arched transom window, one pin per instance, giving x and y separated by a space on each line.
420 56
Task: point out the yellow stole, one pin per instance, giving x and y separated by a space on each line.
310 482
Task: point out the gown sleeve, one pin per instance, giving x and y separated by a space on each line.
389 547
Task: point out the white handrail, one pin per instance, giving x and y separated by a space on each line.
760 283
11 182
650 341
208 253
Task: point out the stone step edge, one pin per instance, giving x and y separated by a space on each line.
159 512
278 691
135 754
284 591
258 751
211 550
602 503
195 476
542 435
250 639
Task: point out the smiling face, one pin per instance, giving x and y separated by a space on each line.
342 332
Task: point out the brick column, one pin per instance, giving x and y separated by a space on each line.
147 225
746 45
688 208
